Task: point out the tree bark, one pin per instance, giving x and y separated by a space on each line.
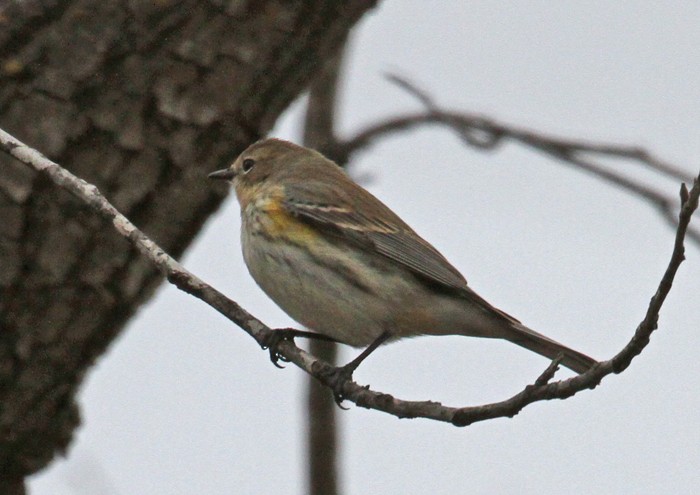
141 99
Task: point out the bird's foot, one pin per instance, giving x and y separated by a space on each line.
336 378
281 334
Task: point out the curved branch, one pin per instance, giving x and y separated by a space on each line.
486 134
360 395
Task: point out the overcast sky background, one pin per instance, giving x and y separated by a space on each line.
186 403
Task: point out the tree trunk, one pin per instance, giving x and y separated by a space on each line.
141 99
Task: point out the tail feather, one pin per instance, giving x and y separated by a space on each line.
525 337
509 328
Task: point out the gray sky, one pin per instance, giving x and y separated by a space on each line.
186 403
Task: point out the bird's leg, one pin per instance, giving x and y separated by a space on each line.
339 376
281 334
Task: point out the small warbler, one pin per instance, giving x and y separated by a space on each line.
341 263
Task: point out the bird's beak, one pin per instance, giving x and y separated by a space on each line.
225 174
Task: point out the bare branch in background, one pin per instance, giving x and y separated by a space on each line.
322 371
486 134
322 442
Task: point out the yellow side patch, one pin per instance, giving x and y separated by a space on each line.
278 222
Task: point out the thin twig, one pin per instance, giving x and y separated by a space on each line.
486 134
536 139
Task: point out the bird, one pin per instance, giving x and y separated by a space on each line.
343 264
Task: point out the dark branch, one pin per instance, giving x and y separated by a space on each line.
321 424
486 134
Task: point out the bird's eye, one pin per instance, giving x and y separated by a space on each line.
248 164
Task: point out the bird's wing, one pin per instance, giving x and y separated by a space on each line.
364 220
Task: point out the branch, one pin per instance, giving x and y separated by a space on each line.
323 440
174 271
486 134
322 371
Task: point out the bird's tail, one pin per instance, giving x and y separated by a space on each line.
536 342
499 324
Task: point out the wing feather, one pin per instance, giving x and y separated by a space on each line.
362 218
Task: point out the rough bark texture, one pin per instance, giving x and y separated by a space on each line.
141 98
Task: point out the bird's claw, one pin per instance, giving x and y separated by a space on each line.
281 334
273 342
337 377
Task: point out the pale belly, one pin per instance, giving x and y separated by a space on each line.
342 296
310 290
